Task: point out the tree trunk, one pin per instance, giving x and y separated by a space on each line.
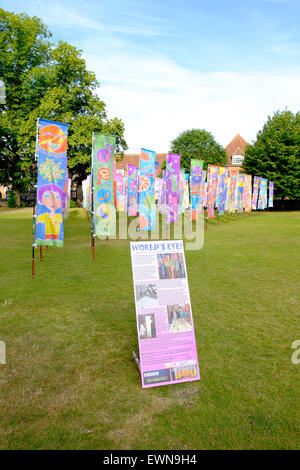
18 197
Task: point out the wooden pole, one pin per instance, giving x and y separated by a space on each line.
41 253
35 200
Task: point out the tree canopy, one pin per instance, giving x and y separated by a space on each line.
275 154
50 81
200 144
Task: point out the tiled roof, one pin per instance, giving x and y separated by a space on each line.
236 147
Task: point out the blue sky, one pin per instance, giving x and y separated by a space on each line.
169 65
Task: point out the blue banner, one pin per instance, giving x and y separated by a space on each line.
147 210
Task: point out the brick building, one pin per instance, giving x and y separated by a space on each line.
235 151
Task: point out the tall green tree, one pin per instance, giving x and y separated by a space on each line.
49 81
200 144
275 154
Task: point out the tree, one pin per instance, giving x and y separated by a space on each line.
200 144
50 81
275 154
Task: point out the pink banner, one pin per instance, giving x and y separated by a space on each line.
132 177
212 184
248 187
173 175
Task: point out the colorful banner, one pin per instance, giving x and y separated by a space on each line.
68 197
223 186
181 189
89 194
233 186
186 192
262 199
195 185
241 193
51 182
156 167
248 186
162 197
166 336
147 210
255 192
132 174
205 194
103 166
271 193
212 184
173 178
120 192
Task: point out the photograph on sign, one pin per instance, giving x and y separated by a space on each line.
167 345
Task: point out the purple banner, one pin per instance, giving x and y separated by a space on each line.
173 177
132 173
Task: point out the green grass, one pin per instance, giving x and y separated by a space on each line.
70 381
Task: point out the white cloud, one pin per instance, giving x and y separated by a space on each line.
157 99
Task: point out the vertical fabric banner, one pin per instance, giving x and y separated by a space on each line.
68 197
186 193
262 199
223 180
84 186
181 189
89 194
173 178
103 167
203 190
162 195
195 185
156 167
212 184
248 186
227 202
132 174
255 192
147 211
271 193
241 187
120 192
51 182
233 185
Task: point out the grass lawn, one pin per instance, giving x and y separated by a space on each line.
70 381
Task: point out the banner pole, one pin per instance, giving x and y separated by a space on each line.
41 253
92 202
35 199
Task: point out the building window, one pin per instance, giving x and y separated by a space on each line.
237 159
